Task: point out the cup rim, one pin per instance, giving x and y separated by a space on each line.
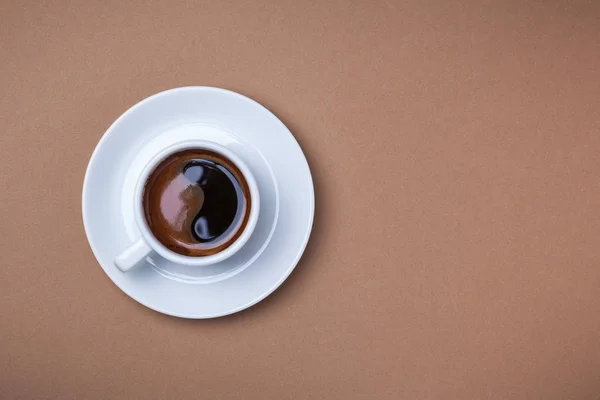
169 254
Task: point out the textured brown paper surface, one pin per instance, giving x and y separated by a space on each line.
454 147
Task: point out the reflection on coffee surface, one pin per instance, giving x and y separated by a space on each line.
196 202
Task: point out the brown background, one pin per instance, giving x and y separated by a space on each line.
455 151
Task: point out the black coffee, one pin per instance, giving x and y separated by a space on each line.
196 202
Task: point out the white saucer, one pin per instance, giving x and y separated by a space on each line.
256 136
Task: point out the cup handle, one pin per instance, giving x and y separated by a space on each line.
132 255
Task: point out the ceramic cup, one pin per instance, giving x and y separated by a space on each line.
147 243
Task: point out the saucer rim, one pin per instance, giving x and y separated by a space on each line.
302 246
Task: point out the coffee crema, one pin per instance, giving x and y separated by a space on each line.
196 202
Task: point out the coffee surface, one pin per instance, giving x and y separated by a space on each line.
196 202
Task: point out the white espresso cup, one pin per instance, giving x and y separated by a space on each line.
147 243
